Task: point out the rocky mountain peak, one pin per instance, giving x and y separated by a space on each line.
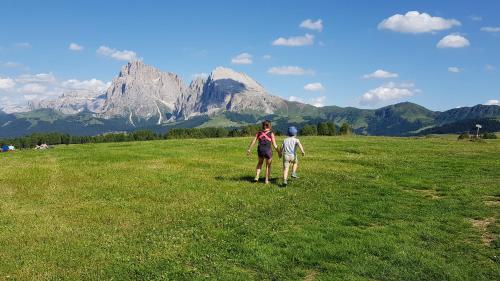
139 70
143 92
223 73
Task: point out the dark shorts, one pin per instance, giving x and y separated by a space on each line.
266 153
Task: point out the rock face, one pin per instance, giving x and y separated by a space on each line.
187 103
72 102
229 90
143 92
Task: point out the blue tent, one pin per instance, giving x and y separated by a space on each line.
5 148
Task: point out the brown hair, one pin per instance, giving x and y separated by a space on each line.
266 125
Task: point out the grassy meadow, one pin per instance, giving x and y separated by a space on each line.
365 208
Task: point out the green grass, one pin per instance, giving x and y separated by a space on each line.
365 208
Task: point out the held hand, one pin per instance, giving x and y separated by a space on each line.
303 154
248 152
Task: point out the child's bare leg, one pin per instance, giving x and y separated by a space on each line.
285 172
268 169
294 167
259 168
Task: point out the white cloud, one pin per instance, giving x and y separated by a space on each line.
492 102
387 92
266 57
199 75
46 85
380 73
476 18
288 70
91 85
75 47
30 97
6 83
416 22
124 55
316 101
490 29
453 41
314 87
36 78
313 25
295 41
294 98
243 58
454 69
32 88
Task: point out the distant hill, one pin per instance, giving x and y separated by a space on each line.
468 125
143 97
401 119
462 113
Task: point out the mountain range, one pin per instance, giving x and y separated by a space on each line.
142 96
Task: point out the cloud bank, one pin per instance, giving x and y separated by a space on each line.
243 58
312 25
288 70
387 93
124 55
453 41
380 74
416 22
296 41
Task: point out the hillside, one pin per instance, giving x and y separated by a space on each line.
467 125
395 120
366 208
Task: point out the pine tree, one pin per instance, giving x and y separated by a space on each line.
332 131
323 129
309 130
345 129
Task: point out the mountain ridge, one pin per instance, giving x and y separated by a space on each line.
142 96
141 91
363 121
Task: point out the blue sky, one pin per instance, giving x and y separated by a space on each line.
334 60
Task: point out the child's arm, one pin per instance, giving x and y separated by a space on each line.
275 145
301 148
251 145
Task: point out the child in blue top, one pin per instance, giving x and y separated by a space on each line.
289 152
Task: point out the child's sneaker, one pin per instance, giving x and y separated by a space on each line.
285 184
295 176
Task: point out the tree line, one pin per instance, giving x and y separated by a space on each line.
30 141
326 129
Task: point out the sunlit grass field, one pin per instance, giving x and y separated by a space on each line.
365 208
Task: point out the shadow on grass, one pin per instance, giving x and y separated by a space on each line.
245 179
